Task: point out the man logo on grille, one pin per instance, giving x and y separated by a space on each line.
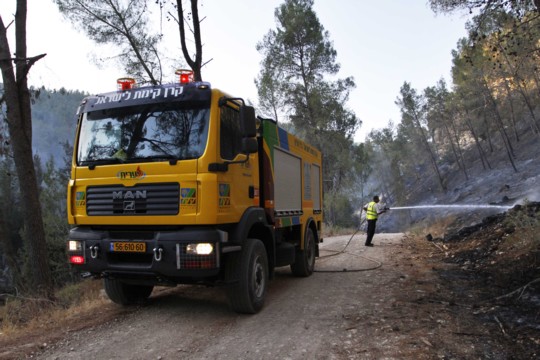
129 194
129 205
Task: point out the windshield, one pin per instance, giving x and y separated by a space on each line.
154 132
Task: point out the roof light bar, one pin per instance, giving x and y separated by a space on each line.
125 83
186 76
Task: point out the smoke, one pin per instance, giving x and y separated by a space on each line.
533 195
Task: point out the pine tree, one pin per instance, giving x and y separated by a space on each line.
299 58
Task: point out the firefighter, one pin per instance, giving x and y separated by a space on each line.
373 210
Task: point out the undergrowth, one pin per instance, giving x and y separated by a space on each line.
526 224
334 230
21 314
436 229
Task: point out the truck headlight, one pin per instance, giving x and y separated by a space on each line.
200 249
74 245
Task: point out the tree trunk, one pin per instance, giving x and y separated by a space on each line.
488 130
500 126
432 156
9 250
457 137
508 147
196 63
523 91
455 151
522 88
481 152
512 112
19 119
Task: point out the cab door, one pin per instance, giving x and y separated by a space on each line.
237 186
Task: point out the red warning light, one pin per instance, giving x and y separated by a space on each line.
76 259
125 83
186 76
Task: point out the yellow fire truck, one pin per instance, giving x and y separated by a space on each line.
182 184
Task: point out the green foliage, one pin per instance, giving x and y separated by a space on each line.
395 163
11 220
299 59
71 294
414 126
125 25
338 211
52 197
484 7
526 219
54 120
53 201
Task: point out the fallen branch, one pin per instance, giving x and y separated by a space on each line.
425 341
500 325
437 246
521 290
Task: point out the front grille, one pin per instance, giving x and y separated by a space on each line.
151 199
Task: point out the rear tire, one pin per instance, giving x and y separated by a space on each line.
304 264
126 294
247 273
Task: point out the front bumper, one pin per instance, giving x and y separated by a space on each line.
166 256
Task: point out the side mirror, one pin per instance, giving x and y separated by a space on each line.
250 145
248 123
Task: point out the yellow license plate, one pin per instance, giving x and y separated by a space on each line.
128 247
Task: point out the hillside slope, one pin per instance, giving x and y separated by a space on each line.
499 186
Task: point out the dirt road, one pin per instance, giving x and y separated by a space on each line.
384 306
302 318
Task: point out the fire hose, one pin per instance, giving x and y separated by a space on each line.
378 264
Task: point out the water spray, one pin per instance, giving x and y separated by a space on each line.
503 207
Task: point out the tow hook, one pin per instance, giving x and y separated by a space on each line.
94 250
157 253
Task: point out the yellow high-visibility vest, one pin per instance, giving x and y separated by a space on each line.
371 211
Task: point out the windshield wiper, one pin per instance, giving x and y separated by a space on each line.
93 163
161 157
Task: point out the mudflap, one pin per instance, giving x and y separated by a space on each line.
285 254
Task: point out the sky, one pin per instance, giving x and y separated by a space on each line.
381 44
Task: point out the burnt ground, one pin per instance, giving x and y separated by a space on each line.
504 256
487 282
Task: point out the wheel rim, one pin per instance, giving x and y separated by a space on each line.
310 249
259 278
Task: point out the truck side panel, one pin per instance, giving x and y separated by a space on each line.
287 182
316 181
291 181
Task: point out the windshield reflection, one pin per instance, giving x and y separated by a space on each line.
155 132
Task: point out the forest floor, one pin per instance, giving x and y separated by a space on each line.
483 282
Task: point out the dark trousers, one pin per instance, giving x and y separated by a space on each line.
371 224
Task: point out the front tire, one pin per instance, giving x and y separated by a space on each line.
247 273
126 294
304 264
